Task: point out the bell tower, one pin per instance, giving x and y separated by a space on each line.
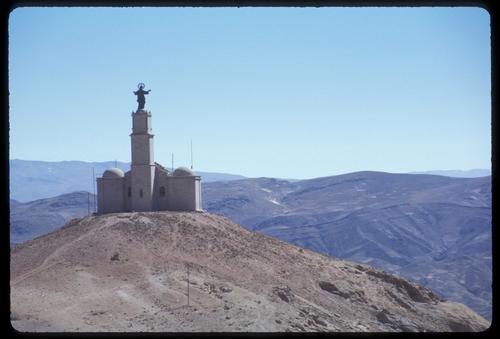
143 165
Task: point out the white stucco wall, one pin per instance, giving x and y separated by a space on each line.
127 199
110 195
142 178
142 149
141 122
182 193
161 203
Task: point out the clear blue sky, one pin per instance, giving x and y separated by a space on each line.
278 92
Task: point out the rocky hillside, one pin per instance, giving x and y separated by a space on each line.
435 230
128 272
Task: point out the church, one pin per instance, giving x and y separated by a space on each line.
147 186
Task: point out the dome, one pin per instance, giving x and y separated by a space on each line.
183 172
113 173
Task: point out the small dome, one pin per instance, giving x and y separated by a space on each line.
183 172
113 173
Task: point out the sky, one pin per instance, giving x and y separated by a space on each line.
276 92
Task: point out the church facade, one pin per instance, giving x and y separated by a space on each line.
147 186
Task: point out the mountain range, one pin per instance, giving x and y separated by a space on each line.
435 230
192 272
31 180
472 173
38 217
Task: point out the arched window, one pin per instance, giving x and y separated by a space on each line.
162 191
129 192
140 192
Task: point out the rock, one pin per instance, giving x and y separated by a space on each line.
396 322
398 300
414 292
94 313
225 289
357 295
115 257
211 287
383 317
284 293
318 320
329 287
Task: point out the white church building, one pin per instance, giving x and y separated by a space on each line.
148 186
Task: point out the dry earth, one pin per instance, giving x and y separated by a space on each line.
128 272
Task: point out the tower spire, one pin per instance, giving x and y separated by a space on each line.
143 166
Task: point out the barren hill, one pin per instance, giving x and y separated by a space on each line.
127 272
432 229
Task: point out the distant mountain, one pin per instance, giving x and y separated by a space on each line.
13 202
473 173
433 229
32 180
32 219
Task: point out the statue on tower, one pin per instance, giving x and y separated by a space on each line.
141 99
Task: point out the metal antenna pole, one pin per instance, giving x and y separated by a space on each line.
188 283
191 153
172 162
93 187
88 203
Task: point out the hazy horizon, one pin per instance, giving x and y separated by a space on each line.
465 171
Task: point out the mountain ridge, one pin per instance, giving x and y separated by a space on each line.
471 173
38 217
37 179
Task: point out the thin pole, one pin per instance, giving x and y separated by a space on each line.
188 283
172 162
191 153
93 188
88 203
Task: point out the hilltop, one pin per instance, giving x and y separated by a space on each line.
127 272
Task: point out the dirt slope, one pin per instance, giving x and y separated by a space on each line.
127 272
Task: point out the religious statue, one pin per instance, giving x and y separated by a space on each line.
141 99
